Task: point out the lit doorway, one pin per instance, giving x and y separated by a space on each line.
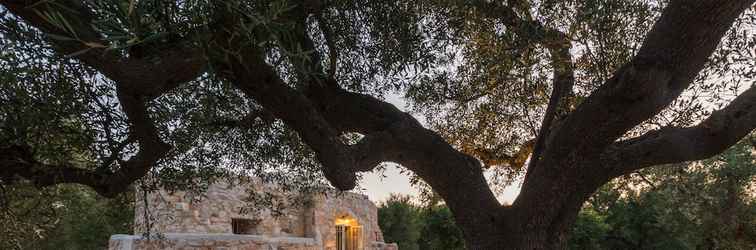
348 234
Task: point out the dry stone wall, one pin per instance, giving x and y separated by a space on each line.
211 241
346 205
181 220
213 211
224 242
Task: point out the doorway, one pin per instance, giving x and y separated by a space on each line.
348 234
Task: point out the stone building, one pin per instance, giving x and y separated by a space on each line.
218 219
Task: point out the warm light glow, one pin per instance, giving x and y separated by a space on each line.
344 221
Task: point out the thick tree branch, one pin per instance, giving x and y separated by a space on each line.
387 129
373 149
138 80
142 127
18 161
390 135
333 53
151 75
302 51
672 54
564 80
155 75
246 68
395 136
531 31
82 40
668 145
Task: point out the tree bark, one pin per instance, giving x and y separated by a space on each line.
569 167
573 157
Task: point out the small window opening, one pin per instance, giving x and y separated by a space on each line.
244 226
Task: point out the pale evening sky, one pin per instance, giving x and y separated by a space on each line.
379 186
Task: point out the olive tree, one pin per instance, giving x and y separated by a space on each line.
564 95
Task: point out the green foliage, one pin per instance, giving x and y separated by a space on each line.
412 226
709 204
589 230
70 115
640 226
701 205
62 217
439 230
87 221
478 83
399 222
475 81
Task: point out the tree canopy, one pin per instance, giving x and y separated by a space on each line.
708 204
61 217
418 226
564 95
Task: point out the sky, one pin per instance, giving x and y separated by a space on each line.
379 185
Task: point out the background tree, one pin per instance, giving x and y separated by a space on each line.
439 230
706 204
590 230
400 222
291 90
415 226
62 217
703 205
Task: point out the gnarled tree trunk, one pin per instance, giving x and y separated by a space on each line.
572 156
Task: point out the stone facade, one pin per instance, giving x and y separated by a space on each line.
213 241
218 220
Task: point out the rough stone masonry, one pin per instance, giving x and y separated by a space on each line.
217 220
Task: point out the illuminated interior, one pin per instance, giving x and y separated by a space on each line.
348 233
346 221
